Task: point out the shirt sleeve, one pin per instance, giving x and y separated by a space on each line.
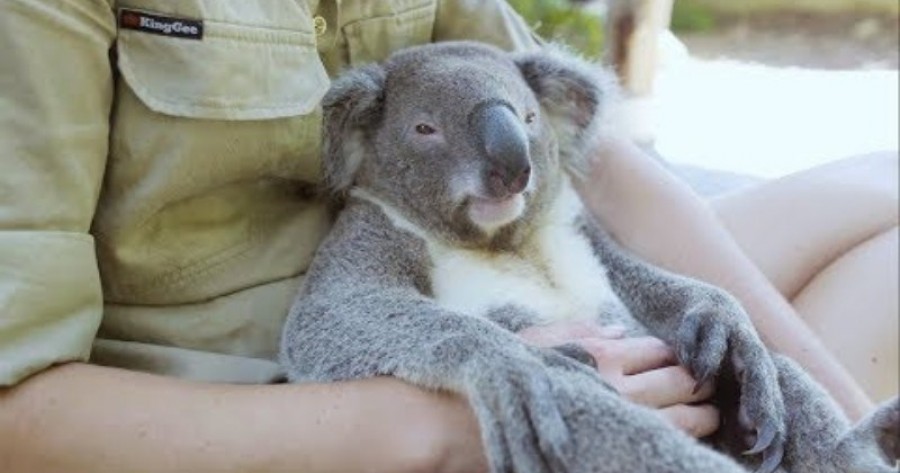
489 21
55 98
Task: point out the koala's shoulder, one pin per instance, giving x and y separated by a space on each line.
365 237
365 224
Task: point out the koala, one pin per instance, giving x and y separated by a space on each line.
455 166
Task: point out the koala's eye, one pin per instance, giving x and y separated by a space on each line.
424 129
529 117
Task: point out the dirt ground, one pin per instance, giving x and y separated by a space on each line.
817 41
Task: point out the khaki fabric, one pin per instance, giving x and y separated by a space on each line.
156 193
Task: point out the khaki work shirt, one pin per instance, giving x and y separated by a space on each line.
156 204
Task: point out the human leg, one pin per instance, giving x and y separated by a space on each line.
845 305
825 228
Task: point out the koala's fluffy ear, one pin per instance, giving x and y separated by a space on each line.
574 95
350 109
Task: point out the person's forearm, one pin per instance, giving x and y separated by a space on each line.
660 218
82 418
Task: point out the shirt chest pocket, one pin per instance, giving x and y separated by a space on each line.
255 60
399 24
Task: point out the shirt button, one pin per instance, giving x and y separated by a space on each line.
320 25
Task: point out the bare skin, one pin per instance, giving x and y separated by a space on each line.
827 239
83 418
867 311
393 427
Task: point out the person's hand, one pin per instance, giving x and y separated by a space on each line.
643 369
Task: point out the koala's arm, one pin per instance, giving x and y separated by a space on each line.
657 298
710 332
364 311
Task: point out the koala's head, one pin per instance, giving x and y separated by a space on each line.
467 141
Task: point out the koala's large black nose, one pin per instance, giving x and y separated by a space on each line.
502 139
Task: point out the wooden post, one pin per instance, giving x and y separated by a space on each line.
633 28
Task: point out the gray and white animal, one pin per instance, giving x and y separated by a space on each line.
460 226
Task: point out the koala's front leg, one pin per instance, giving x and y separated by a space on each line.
710 333
714 330
364 312
377 331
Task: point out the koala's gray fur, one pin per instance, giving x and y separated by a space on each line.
370 304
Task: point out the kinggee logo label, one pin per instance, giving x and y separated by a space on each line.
161 25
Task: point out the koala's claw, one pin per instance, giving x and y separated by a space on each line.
577 353
702 345
764 437
771 458
701 381
769 443
761 404
523 425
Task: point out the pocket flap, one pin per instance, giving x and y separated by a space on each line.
374 39
235 72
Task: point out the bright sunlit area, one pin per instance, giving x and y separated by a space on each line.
771 92
761 91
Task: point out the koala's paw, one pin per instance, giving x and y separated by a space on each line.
521 421
712 336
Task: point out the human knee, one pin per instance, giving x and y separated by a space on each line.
875 180
880 171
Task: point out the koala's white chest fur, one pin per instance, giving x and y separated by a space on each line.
559 279
556 275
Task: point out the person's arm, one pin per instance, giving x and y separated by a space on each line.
82 418
55 97
661 219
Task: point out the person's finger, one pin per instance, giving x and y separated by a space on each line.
612 331
698 421
664 387
563 332
648 353
633 355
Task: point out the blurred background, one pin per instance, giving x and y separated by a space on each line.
755 88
